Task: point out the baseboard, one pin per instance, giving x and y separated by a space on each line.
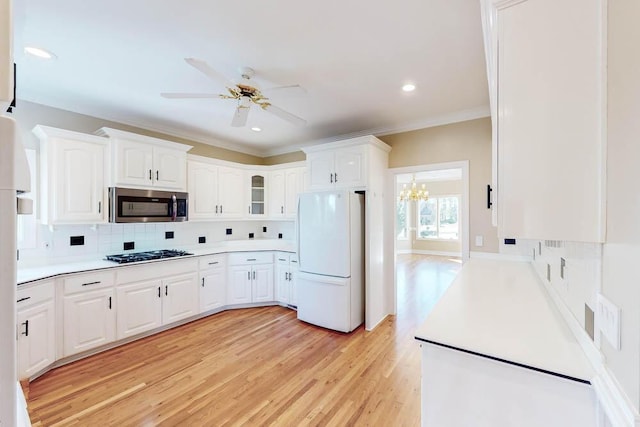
498 256
403 251
612 400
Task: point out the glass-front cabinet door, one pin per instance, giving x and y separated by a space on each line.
257 195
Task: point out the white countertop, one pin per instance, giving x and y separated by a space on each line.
499 309
30 274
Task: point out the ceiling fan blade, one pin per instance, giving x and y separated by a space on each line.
179 95
288 89
284 115
240 116
204 68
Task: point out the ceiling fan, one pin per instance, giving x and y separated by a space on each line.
246 92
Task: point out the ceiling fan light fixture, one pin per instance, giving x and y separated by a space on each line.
256 129
39 52
409 87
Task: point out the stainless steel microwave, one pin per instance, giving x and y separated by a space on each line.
131 205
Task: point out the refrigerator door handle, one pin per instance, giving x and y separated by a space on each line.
298 233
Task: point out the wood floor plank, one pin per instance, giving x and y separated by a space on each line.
258 366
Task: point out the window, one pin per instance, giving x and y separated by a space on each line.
402 220
438 218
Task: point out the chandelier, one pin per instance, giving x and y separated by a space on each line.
414 194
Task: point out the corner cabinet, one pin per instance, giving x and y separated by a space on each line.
548 96
36 328
257 183
72 171
144 162
284 187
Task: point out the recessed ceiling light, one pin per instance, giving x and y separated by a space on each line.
256 129
39 52
409 87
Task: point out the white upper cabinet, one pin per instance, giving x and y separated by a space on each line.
547 77
72 171
284 187
343 164
215 191
143 162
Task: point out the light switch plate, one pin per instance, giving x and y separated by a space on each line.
608 320
479 241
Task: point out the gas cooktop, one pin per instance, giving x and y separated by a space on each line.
146 256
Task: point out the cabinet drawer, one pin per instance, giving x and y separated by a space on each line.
156 270
282 258
243 258
28 295
88 282
212 261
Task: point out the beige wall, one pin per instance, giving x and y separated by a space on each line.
621 252
437 188
470 140
29 115
297 156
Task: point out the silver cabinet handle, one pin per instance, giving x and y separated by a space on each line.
159 296
281 209
249 208
99 207
220 208
150 175
23 299
286 276
213 263
157 175
91 283
248 275
166 290
331 178
254 275
216 208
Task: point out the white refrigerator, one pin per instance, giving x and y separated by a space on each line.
330 236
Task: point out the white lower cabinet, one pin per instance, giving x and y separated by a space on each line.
250 278
213 282
36 328
155 294
286 274
139 308
89 315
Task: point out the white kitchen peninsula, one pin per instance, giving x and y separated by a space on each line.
495 352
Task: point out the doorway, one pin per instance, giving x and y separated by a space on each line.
425 229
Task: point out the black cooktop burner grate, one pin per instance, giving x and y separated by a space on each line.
146 256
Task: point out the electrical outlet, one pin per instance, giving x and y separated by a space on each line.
479 241
608 320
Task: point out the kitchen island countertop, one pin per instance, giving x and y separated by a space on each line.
500 310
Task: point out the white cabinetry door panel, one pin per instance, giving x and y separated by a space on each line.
36 338
320 170
139 308
231 192
239 285
180 298
293 186
262 283
203 190
550 120
134 163
81 187
282 283
348 170
89 320
213 289
277 193
170 168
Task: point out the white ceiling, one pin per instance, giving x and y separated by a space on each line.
352 56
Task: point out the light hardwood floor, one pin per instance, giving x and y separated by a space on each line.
258 366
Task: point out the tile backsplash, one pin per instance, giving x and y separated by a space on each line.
103 239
